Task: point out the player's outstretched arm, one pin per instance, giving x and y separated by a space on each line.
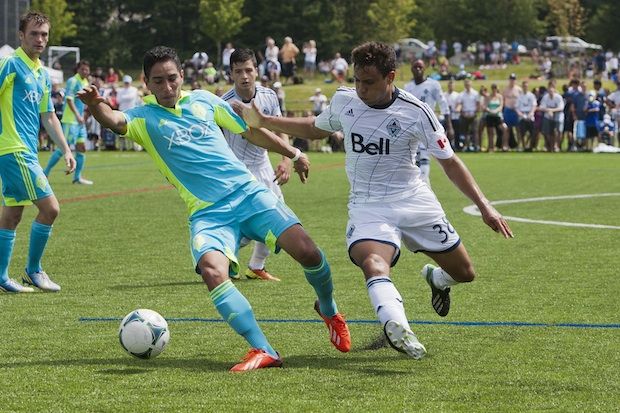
464 180
108 118
54 129
301 127
273 143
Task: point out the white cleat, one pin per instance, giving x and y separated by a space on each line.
82 181
42 281
11 286
402 339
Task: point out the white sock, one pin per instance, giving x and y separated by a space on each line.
386 300
442 279
259 256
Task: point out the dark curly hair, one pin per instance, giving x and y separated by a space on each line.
380 55
159 54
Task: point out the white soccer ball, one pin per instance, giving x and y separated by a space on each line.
144 333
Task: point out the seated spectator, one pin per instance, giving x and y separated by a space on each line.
277 87
210 74
607 130
112 77
319 102
339 69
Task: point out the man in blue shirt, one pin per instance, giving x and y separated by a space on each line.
25 103
181 132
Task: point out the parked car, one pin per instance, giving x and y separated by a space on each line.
570 44
411 48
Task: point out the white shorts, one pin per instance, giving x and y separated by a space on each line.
264 174
419 221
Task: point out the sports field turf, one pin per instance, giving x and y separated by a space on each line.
537 331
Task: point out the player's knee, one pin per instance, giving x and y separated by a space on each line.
467 273
49 214
210 274
309 256
374 264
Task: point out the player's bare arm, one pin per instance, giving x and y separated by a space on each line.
52 126
108 118
301 127
463 179
270 141
284 167
78 117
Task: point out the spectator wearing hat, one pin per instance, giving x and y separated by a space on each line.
127 98
319 102
277 87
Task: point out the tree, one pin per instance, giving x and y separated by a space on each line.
566 17
391 19
603 27
61 19
221 20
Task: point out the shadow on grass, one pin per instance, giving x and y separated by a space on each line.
378 364
155 285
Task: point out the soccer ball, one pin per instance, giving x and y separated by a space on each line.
144 333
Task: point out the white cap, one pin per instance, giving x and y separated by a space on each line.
277 85
317 90
127 79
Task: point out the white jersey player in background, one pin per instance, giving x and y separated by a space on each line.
388 202
428 91
243 73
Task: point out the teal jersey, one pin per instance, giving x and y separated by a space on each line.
24 94
74 85
188 146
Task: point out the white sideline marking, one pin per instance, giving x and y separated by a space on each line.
473 210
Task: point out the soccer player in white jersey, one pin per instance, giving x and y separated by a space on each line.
388 201
243 73
428 91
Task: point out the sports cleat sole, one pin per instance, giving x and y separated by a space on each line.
403 340
440 299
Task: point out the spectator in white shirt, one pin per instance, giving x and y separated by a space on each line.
526 108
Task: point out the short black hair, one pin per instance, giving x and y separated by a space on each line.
159 54
242 55
32 16
380 55
82 63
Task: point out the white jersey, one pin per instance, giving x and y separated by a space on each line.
381 143
248 153
429 92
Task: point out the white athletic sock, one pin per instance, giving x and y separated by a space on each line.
259 256
442 279
386 300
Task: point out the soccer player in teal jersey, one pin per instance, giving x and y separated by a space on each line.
73 124
181 132
25 103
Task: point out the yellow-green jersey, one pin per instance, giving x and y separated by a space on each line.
188 146
74 85
24 94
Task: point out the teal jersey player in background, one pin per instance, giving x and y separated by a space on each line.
73 125
25 103
181 132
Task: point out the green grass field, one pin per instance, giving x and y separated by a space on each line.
122 244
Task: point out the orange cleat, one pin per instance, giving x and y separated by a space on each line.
260 275
257 359
338 330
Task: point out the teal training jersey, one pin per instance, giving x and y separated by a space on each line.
24 93
74 85
188 146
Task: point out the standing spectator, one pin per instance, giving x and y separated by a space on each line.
271 51
452 97
339 68
112 77
272 65
288 54
277 87
468 108
526 108
613 102
319 102
601 96
127 98
552 106
579 103
228 50
592 122
510 94
569 119
310 53
494 119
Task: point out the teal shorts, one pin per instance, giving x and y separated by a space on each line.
23 180
252 212
74 133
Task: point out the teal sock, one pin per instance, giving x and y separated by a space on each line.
320 277
80 159
7 240
237 312
39 234
56 155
